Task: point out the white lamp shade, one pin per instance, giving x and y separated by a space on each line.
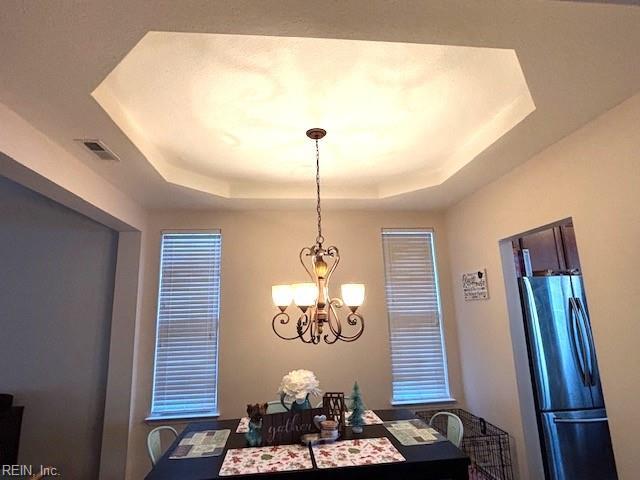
305 294
282 295
353 294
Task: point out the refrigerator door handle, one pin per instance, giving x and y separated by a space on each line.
577 341
585 326
580 420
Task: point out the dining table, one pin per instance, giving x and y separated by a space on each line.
435 461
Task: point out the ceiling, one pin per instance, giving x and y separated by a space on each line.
226 114
206 102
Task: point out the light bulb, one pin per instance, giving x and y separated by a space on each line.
353 294
305 294
282 295
320 267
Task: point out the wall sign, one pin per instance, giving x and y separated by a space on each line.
286 428
474 285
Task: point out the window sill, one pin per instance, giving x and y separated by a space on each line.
423 402
181 418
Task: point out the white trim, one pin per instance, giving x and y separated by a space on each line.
184 417
424 402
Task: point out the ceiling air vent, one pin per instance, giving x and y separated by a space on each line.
99 149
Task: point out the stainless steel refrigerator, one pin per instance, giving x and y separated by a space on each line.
570 406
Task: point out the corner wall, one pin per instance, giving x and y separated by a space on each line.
56 296
593 176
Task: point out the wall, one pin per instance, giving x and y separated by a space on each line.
260 248
115 433
593 176
29 157
56 292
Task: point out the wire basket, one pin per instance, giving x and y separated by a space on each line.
487 445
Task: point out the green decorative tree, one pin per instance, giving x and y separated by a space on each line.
357 409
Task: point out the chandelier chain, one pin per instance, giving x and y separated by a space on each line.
319 238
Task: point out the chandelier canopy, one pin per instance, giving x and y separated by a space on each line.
319 318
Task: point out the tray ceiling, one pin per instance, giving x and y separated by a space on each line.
226 114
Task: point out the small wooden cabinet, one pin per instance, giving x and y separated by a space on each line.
10 423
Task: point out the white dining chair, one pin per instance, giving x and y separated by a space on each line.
275 406
154 443
455 428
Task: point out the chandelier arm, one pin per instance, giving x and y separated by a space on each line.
308 322
283 318
337 332
335 254
306 252
314 338
353 319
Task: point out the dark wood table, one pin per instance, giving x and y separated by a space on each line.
438 461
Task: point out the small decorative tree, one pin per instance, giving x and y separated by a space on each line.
357 410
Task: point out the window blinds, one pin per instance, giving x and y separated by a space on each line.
418 359
185 372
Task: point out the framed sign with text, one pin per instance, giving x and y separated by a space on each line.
474 285
286 428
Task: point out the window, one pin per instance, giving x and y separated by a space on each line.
186 362
418 360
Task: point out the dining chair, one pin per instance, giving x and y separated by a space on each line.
275 406
455 428
154 444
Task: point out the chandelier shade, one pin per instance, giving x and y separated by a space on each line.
318 319
282 295
352 294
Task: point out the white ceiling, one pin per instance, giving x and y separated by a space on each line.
578 59
226 114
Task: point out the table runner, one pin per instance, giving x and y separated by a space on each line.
350 453
244 461
369 417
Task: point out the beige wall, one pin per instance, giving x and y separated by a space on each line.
593 176
258 250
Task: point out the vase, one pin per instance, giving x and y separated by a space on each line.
296 405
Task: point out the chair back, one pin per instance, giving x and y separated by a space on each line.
275 406
455 428
154 443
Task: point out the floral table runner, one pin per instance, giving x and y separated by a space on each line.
244 461
369 417
349 453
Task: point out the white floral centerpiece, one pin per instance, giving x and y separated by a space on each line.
298 385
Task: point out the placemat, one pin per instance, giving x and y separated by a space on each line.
350 453
206 443
245 461
413 432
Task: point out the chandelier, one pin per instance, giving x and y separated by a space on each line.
318 311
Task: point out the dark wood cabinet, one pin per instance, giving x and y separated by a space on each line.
572 259
553 248
10 422
543 250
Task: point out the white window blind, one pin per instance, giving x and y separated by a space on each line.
186 360
418 359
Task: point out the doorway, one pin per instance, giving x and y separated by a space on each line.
570 413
